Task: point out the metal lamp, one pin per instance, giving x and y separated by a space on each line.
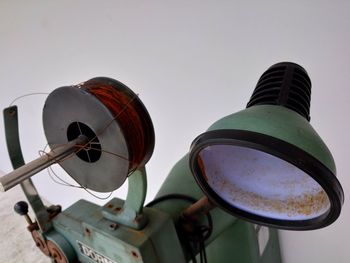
266 163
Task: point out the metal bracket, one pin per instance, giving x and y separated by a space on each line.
17 160
131 213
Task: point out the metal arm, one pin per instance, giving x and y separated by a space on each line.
131 213
16 157
28 170
17 160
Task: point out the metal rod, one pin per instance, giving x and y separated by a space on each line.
28 170
198 209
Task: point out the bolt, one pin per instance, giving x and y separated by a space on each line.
113 226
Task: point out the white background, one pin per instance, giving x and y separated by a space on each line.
192 62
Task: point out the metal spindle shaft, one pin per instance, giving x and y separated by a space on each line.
28 170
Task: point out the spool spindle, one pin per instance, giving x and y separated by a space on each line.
100 132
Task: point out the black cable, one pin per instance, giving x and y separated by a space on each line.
200 233
172 196
204 254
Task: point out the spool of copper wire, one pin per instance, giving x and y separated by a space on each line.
116 123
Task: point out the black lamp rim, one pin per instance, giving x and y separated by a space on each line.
281 149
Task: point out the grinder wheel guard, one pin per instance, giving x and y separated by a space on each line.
118 127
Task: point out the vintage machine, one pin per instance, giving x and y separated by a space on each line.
251 172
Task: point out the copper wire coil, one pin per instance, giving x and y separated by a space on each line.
131 115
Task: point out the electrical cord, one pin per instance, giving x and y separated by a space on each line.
191 233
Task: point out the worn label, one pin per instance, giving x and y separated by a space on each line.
93 254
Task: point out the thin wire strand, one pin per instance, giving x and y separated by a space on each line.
86 146
96 196
104 129
53 174
50 170
113 119
104 151
82 147
27 95
62 182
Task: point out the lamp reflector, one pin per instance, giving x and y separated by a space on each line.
260 183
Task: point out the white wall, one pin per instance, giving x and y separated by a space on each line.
192 62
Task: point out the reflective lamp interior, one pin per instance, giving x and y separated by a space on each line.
262 184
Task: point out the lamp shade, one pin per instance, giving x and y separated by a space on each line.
266 163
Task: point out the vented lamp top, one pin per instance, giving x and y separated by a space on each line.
266 163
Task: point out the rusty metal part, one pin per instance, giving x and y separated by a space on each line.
53 211
40 243
198 209
33 227
134 254
56 253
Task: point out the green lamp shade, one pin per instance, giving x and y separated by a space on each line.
266 164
